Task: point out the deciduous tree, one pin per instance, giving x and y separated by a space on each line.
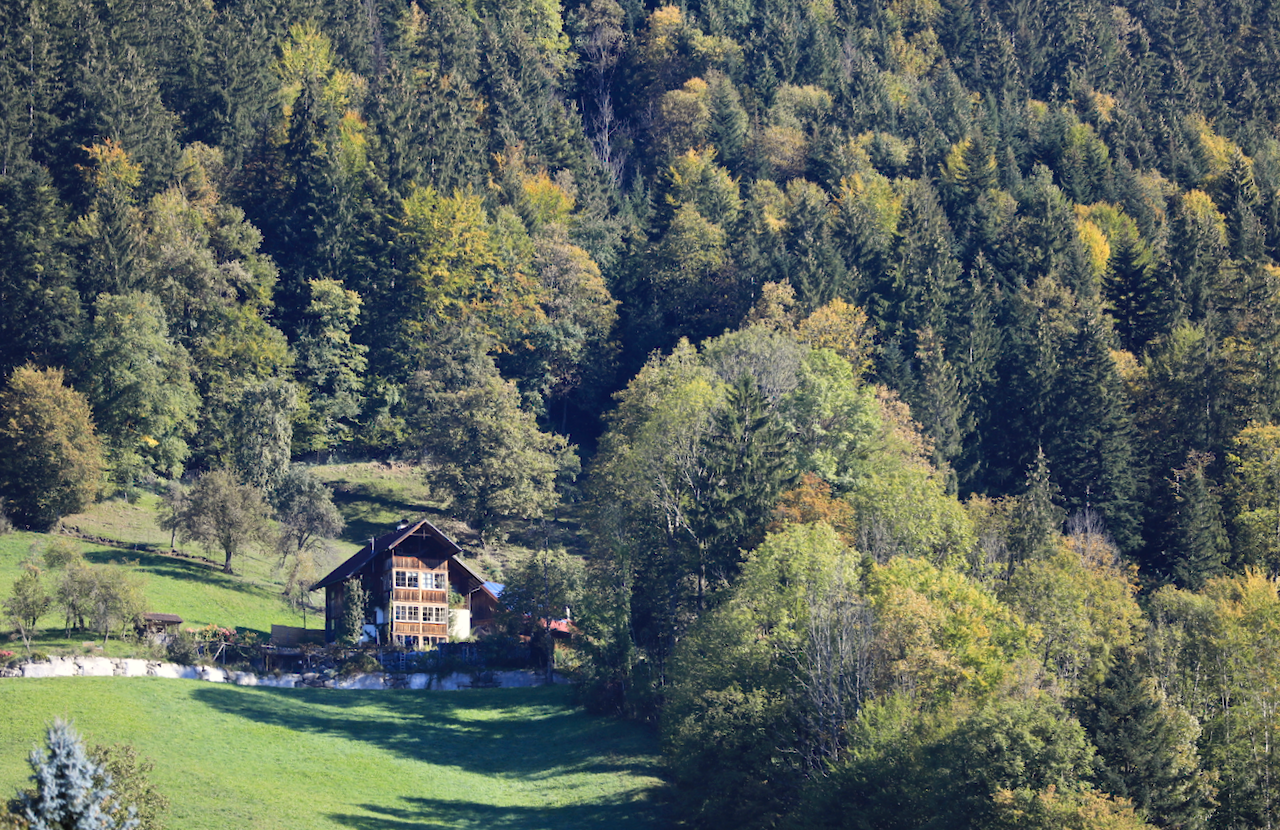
223 514
51 460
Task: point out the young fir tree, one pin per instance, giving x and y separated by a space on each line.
1198 546
71 791
1146 748
747 465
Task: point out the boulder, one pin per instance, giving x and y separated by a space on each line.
419 681
63 667
362 681
131 668
37 670
96 667
212 675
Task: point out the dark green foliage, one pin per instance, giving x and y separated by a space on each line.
355 605
1147 747
39 303
1092 452
747 463
1197 548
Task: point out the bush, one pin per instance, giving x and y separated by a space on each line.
183 648
362 662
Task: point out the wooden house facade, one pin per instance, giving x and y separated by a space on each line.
408 575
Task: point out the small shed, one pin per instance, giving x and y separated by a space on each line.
153 623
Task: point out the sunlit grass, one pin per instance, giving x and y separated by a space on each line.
316 758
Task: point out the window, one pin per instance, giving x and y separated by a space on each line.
436 581
407 613
406 579
435 614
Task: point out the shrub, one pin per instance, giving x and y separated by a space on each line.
362 662
183 648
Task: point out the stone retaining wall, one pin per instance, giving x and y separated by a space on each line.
114 667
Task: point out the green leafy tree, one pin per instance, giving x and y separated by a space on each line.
306 512
544 588
129 776
138 382
262 425
51 460
224 515
483 450
117 601
28 602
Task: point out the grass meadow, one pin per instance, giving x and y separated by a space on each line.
201 595
320 759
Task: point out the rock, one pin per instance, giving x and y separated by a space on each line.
362 681
131 668
96 667
245 678
419 681
37 670
63 667
212 675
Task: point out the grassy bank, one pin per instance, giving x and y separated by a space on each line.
314 759
200 594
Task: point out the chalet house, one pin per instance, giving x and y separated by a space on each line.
408 574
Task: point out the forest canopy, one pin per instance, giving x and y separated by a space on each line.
925 357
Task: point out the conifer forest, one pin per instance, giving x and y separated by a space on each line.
909 368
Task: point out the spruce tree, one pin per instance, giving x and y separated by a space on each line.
1198 547
1091 440
1146 747
71 791
748 463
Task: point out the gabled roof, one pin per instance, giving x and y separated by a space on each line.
387 542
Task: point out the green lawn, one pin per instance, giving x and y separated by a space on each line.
199 594
311 759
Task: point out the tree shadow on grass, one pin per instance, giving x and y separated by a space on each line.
370 510
524 735
173 568
625 811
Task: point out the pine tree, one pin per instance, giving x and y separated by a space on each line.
71 791
1146 747
1091 444
39 304
1037 518
747 464
1198 546
941 405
